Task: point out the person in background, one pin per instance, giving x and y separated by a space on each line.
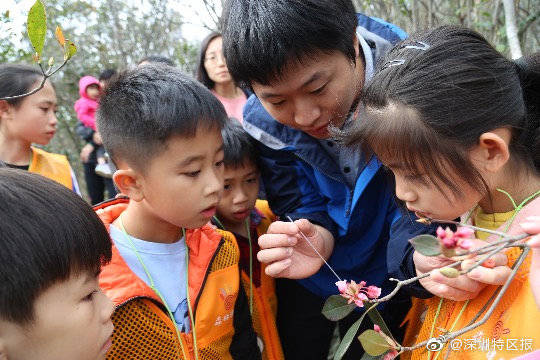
156 59
95 183
213 73
29 120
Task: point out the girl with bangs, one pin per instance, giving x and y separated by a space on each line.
458 126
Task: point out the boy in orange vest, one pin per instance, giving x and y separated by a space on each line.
247 218
175 280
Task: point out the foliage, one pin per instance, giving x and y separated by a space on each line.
485 16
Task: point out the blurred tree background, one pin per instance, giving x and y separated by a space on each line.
118 33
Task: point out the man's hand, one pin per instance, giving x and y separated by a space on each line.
463 287
532 226
86 151
286 252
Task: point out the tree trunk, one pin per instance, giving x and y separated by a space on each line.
511 29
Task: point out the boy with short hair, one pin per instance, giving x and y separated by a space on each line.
53 246
247 218
174 279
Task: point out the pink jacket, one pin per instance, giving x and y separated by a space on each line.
86 107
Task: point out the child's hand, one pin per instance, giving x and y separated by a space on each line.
286 252
532 226
85 152
463 287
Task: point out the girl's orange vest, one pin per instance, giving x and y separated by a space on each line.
53 166
512 330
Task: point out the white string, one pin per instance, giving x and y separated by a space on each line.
313 247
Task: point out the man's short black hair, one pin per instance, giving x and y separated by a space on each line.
107 74
47 233
261 36
238 146
156 59
146 106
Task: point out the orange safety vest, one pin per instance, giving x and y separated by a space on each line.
143 329
53 166
264 297
513 329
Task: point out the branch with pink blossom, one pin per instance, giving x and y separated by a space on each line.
379 342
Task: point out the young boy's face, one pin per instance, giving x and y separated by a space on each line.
72 321
314 92
93 91
183 184
241 188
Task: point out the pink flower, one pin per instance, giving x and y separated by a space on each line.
342 286
377 328
465 244
451 240
449 243
390 355
357 292
464 232
373 292
441 234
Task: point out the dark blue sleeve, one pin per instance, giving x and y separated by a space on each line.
290 190
400 251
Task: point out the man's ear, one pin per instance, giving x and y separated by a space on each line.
493 150
129 182
356 45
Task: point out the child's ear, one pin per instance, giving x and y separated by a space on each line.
4 108
128 182
493 150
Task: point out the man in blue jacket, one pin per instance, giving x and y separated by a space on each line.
307 62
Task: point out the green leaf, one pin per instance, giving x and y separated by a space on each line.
366 356
376 318
336 308
427 245
71 50
349 335
373 343
37 26
449 272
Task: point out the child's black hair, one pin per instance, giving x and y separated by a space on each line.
157 59
47 233
16 80
435 93
202 74
238 146
143 108
260 37
107 74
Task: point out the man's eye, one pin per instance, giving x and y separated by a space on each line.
277 103
319 90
